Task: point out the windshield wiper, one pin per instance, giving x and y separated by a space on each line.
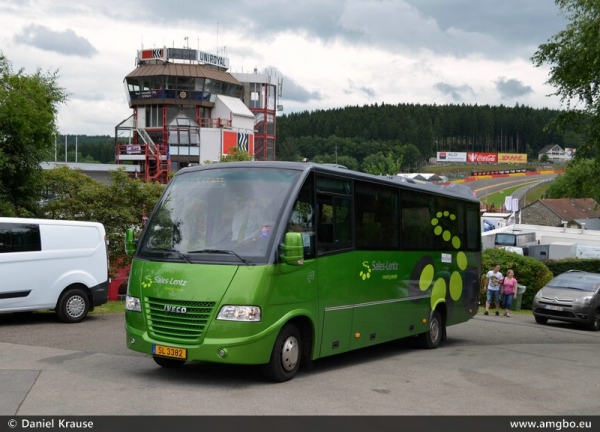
221 251
182 256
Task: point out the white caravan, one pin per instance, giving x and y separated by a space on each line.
53 264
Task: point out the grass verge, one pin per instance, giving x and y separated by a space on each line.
109 308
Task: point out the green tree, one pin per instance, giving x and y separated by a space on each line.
287 151
575 183
574 57
119 205
411 157
236 155
379 164
28 108
529 271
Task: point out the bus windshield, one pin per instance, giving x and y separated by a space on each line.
218 214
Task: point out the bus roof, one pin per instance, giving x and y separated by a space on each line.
453 189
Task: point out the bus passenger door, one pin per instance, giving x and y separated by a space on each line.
337 278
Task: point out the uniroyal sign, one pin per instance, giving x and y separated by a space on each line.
512 157
482 157
451 156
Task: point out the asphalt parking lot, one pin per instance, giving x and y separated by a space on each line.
487 366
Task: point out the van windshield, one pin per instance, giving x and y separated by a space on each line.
218 214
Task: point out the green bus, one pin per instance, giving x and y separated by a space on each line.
281 263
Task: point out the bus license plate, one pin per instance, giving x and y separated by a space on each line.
556 308
165 351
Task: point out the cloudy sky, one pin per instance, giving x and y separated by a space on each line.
330 53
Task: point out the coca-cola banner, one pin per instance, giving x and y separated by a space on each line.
451 156
512 157
482 157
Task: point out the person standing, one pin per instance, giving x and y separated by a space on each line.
492 285
510 291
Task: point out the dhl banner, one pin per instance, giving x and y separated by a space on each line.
512 157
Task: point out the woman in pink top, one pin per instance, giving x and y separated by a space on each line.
510 291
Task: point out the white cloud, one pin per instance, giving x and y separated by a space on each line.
329 54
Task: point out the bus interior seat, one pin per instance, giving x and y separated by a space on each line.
325 233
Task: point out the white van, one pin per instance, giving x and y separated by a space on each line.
53 264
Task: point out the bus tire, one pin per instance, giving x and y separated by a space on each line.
73 306
432 338
168 363
286 355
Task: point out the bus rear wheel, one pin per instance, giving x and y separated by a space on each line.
168 363
432 338
286 354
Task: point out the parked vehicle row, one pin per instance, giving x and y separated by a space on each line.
59 265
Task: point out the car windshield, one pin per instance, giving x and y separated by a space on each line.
577 281
218 214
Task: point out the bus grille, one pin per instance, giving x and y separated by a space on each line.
165 324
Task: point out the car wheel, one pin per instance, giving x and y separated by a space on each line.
540 320
286 354
594 324
168 363
73 306
433 337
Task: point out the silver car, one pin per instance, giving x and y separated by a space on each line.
573 296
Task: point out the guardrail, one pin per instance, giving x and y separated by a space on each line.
521 193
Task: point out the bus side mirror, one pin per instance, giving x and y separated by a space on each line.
293 249
130 243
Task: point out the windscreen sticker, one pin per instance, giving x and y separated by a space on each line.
265 231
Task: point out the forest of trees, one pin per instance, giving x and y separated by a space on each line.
362 131
355 136
94 148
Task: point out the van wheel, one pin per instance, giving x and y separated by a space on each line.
168 363
540 320
433 337
594 324
286 354
73 306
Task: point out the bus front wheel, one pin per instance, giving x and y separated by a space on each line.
433 337
285 357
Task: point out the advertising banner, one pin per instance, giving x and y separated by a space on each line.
479 157
512 157
451 156
570 153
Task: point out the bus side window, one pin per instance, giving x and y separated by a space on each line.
325 233
302 219
335 223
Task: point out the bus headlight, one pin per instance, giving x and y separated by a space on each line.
239 313
133 304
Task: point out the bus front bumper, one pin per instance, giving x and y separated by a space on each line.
248 350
